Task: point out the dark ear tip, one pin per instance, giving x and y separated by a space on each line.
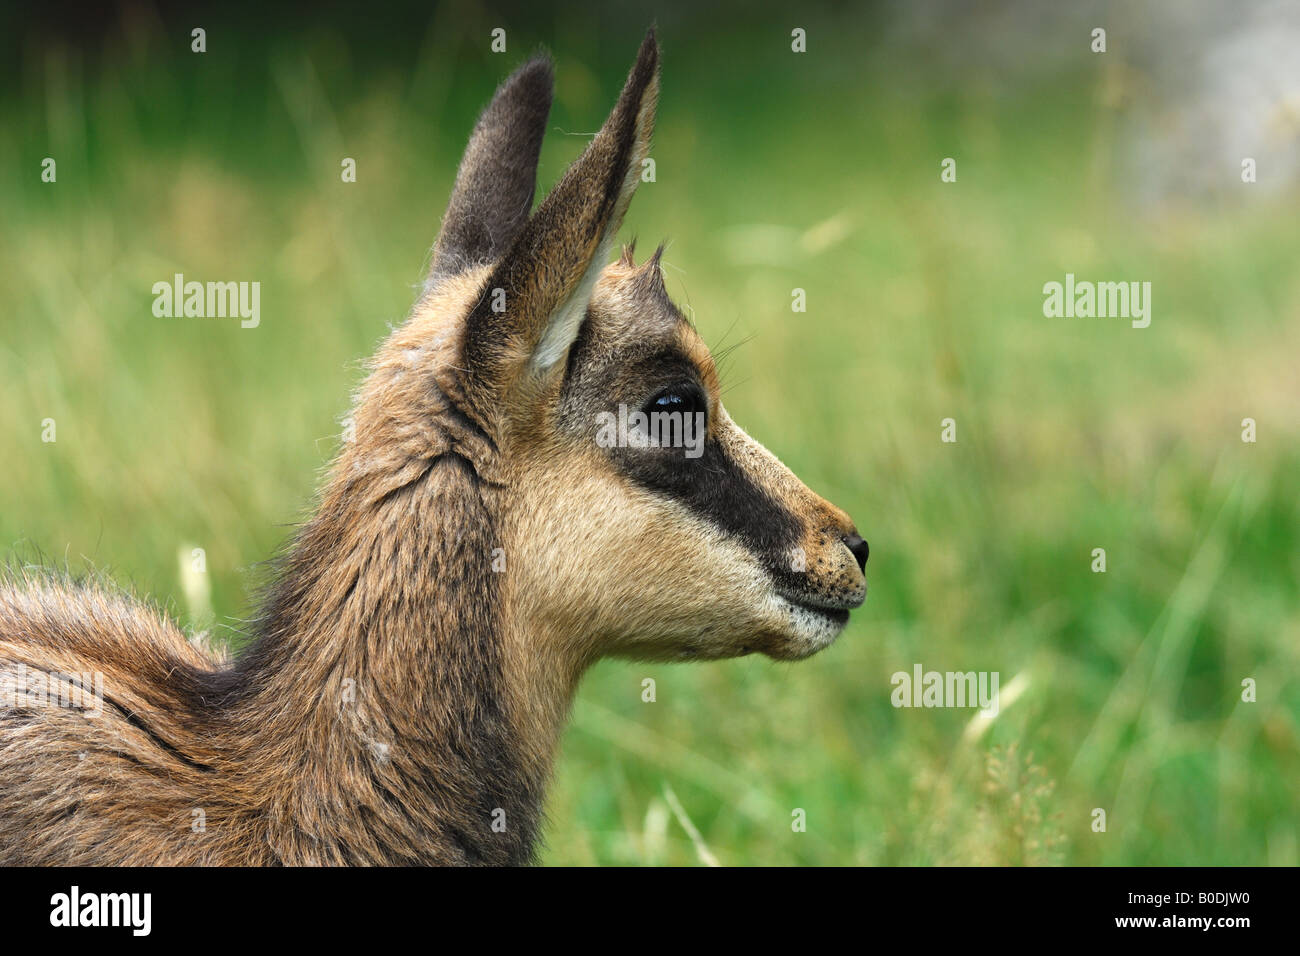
538 72
650 45
540 63
646 68
532 83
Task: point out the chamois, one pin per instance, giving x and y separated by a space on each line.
474 551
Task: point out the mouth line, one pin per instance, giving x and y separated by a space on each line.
836 612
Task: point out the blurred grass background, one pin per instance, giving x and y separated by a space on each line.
774 171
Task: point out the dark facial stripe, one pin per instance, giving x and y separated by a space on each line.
718 490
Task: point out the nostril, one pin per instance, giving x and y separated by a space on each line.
859 548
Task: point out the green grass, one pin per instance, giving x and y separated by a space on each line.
924 302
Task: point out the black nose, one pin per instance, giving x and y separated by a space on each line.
859 549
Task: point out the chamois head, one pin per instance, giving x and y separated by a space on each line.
633 516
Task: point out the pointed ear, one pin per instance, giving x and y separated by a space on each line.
549 272
497 176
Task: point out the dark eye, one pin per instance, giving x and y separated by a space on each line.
686 399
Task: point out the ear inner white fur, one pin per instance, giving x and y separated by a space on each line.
563 326
565 322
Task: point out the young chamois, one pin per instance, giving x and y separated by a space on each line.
475 550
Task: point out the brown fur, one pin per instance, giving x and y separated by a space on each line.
474 551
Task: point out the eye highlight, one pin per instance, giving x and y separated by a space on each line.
686 399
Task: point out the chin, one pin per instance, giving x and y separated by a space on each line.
806 631
785 630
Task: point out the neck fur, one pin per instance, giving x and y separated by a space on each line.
406 717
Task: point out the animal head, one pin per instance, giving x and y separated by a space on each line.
632 513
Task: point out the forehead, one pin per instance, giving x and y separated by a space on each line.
634 331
